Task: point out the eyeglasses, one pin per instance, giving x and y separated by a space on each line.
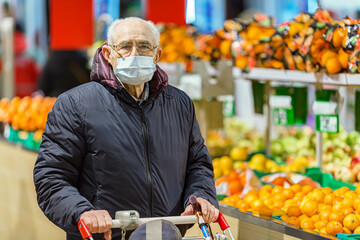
125 49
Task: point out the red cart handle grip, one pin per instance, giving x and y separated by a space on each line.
85 233
222 222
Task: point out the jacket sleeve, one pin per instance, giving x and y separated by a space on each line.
199 175
57 168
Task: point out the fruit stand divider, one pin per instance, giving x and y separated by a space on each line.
292 76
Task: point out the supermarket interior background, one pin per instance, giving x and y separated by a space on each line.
276 90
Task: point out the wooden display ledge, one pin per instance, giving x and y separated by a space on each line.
20 216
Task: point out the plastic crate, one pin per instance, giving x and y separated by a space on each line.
344 236
326 179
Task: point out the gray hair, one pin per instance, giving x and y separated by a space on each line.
111 35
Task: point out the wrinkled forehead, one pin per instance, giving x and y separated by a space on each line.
133 31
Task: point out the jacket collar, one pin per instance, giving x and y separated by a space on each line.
103 73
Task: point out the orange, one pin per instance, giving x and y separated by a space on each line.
232 176
302 217
357 230
327 190
328 207
279 196
357 190
307 224
278 212
321 224
241 61
264 195
325 214
323 230
356 202
339 35
328 199
256 205
337 207
288 193
350 194
333 65
347 202
265 211
243 206
235 187
293 220
315 218
337 216
318 196
268 202
253 192
249 198
266 188
228 201
343 190
296 188
278 204
284 217
226 164
334 227
346 230
294 211
310 208
337 192
307 188
299 195
277 189
290 202
347 211
351 221
326 56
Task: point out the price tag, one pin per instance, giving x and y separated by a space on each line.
283 116
324 108
327 123
282 110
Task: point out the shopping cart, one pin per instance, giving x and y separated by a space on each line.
130 220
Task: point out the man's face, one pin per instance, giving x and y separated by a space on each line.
133 38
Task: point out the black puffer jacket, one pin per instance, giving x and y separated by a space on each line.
101 150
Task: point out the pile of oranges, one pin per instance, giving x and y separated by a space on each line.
28 114
313 209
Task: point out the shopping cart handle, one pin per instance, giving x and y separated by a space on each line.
85 233
222 222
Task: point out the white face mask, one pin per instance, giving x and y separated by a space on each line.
135 70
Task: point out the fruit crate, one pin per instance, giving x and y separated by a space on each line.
343 236
326 179
24 138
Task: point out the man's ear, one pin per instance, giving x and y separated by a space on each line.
106 51
158 55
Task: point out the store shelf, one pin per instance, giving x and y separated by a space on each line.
342 79
271 224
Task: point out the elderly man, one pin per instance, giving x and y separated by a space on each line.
125 141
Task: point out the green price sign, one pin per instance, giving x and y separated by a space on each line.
327 123
283 116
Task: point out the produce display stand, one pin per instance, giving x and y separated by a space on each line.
252 227
20 217
290 76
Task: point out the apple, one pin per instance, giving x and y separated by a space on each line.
356 169
354 161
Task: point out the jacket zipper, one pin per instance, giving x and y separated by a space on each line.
150 192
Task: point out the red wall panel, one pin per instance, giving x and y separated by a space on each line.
71 24
168 11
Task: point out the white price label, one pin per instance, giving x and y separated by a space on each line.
328 123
